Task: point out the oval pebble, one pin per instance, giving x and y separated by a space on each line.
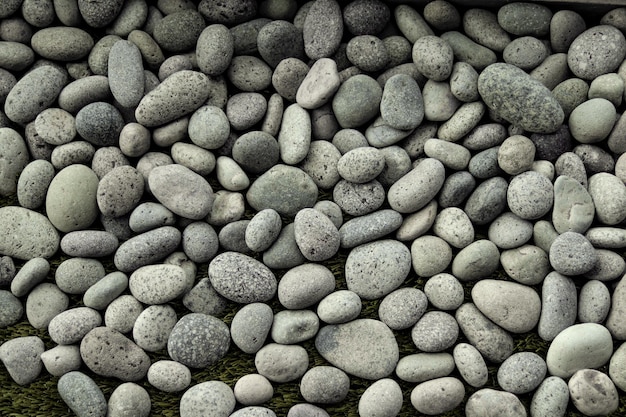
70 326
475 261
593 392
146 248
357 101
11 311
491 402
420 367
305 285
418 187
281 363
252 281
471 365
383 397
253 389
82 395
438 395
339 307
521 372
251 326
33 183
100 294
213 397
599 41
572 254
157 284
402 308
198 340
494 343
169 376
129 397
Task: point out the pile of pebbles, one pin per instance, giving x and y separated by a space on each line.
210 154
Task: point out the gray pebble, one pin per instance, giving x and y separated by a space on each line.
613 323
484 164
470 364
198 340
565 26
466 50
249 73
603 41
609 266
289 75
456 189
55 126
99 123
203 298
205 397
592 120
228 207
34 92
44 303
294 326
305 285
478 259
415 189
438 396
324 385
126 75
230 175
571 253
433 57
62 359
439 102
21 358
251 326
214 49
228 12
197 159
147 216
122 313
499 403
357 101
411 23
256 151
253 282
616 371
593 392
551 398
608 193
12 309
526 264
30 274
525 19
595 159
382 398
368 53
369 227
71 326
253 389
82 395
244 110
179 31
594 302
294 137
278 40
339 307
544 234
455 227
609 86
366 17
521 372
494 343
209 127
157 283
129 397
146 248
28 234
526 52
76 275
482 26
402 308
81 92
169 376
10 7
281 363
62 43
263 230
420 367
508 231
16 56
444 291
530 195
573 206
435 331
323 29
284 252
7 270
364 348
418 223
119 191
103 292
200 242
558 305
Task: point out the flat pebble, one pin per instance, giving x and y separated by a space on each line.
420 367
438 395
281 363
573 206
89 243
593 393
475 261
402 308
169 376
415 189
62 359
592 120
470 364
82 395
383 397
491 402
129 397
146 248
365 348
435 331
207 397
100 294
494 343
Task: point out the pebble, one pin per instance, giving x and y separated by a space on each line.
571 253
324 385
608 266
402 308
361 165
573 206
456 189
45 302
209 127
365 348
439 102
305 285
435 331
608 86
530 195
55 126
538 112
339 307
198 340
477 260
33 183
491 402
494 343
418 187
592 120
82 395
125 72
230 175
357 101
521 372
382 398
284 253
11 311
146 248
323 29
119 191
613 323
253 281
129 398
527 264
438 396
168 31
444 291
62 359
103 292
169 376
375 269
158 284
369 227
278 40
76 275
249 146
254 411
294 137
294 326
99 123
420 367
470 364
603 41
430 255
153 326
281 363
148 216
433 57
411 23
452 155
16 56
359 199
551 398
593 393
526 52
608 193
244 110
616 370
207 397
70 326
32 273
251 326
466 50
483 27
249 73
594 302
508 231
253 389
263 230
228 208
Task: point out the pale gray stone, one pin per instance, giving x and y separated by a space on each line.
593 392
281 363
491 402
169 376
383 397
558 305
339 307
62 359
420 367
494 343
251 326
213 397
129 398
471 364
438 395
82 395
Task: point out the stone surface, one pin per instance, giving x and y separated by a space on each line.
82 395
207 398
383 397
438 395
593 392
281 363
21 357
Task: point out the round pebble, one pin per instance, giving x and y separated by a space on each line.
129 397
169 376
593 392
207 397
198 340
402 308
253 389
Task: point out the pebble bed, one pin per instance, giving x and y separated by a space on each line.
314 186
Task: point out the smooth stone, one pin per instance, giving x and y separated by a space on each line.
89 243
230 175
526 52
516 154
157 284
420 367
16 56
484 164
146 248
62 359
402 308
613 322
375 269
294 326
604 41
433 57
464 82
322 29
77 152
487 201
528 187
470 364
454 226
558 305
573 206
452 155
284 252
256 151
571 253
70 326
521 372
294 137
228 208
214 397
32 273
365 348
367 53
361 165
594 302
369 227
241 278
76 275
508 231
464 119
169 34
249 73
263 230
103 292
181 190
489 402
580 346
254 411
209 127
438 395
478 259
608 267
11 311
527 264
606 237
33 183
251 326
357 101
7 270
608 86
430 255
318 86
418 187
55 126
125 72
305 285
198 340
609 195
592 120
169 376
148 216
324 385
493 342
382 398
45 302
439 102
281 363
593 393
515 308
214 49
119 191
244 110
338 307
551 398
21 358
129 398
444 291
616 368
200 242
411 23
538 112
202 298
34 92
442 15
435 331
82 395
466 50
416 224
253 389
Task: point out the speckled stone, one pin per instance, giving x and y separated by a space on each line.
198 340
488 402
169 376
82 395
213 397
281 363
146 248
420 367
603 41
252 281
383 397
438 395
471 364
129 398
494 343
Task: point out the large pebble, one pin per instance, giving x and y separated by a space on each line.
365 348
146 248
359 199
316 236
571 253
538 111
76 275
21 357
214 49
471 364
125 72
357 101
437 396
596 51
361 165
609 197
281 363
72 325
521 372
82 395
45 302
119 191
323 29
592 120
250 326
27 234
198 340
593 393
179 31
551 398
339 307
241 278
494 343
418 187
375 269
594 302
430 255
318 85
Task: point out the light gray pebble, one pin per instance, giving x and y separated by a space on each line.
12 309
526 52
21 357
526 264
208 396
253 389
324 385
45 302
281 363
71 326
415 189
597 41
616 371
254 281
433 57
559 305
214 49
169 376
383 397
157 283
530 195
609 265
430 255
119 191
125 72
521 372
499 403
454 226
146 248
197 159
76 275
209 127
435 331
478 259
74 95
571 253
244 110
305 285
493 342
228 207
397 164
573 206
606 237
103 292
470 364
30 274
294 137
592 120
82 395
452 155
593 392
571 165
256 151
608 193
509 231
608 86
322 29
420 367
232 237
365 348
263 230
62 359
516 154
416 224
525 19
198 340
316 236
357 101
339 307
122 313
369 227
368 53
464 119
361 164
482 26
466 50
254 411
200 242
439 102
551 398
456 189
273 116
230 175
438 396
202 298
570 94
411 23
444 291
55 126
251 326
594 302
613 323
402 308
129 398
106 158
347 139
380 134
27 234
284 252
289 75
294 326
